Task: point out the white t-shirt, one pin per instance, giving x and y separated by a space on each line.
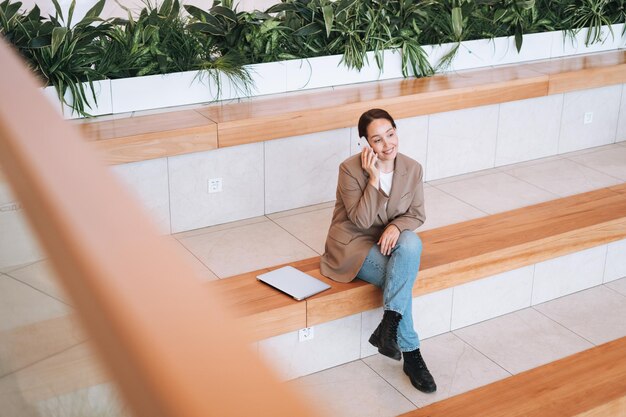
386 178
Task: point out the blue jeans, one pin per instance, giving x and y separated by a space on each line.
395 274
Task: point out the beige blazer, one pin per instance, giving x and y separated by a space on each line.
360 216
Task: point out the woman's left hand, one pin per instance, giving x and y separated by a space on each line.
388 239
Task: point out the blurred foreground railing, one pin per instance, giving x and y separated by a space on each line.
168 342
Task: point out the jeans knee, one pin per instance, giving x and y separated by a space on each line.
409 242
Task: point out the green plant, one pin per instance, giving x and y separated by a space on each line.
59 53
63 54
161 38
591 14
263 38
11 24
161 41
616 11
520 17
353 28
310 23
156 42
221 23
345 24
449 23
408 17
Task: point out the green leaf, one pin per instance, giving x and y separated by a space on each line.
207 28
11 10
209 18
198 13
151 33
58 35
70 13
308 30
96 9
329 17
518 38
499 14
34 15
343 5
457 22
256 14
57 7
225 12
88 21
166 8
525 4
39 42
282 7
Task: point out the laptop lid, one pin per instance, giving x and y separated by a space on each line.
293 282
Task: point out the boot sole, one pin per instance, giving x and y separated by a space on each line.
393 354
419 387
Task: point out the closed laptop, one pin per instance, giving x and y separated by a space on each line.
293 282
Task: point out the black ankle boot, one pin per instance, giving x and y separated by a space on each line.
417 371
385 337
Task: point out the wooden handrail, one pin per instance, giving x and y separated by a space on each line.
168 342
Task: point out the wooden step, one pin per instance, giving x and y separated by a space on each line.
262 119
293 114
137 138
588 383
453 255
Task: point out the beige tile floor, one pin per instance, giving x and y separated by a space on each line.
39 335
479 354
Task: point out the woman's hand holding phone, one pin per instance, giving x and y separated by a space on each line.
368 163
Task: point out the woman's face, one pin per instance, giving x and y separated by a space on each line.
382 137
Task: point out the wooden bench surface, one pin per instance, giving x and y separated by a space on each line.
291 114
588 383
453 255
267 118
130 139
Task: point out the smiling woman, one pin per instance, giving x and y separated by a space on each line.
380 202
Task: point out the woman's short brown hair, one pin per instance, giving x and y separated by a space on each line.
371 115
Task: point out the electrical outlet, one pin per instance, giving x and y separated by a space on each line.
215 185
588 117
308 333
11 207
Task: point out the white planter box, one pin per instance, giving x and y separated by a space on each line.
534 47
328 71
470 54
488 52
184 88
192 87
269 78
564 45
159 91
103 96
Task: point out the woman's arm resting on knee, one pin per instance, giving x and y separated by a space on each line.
388 239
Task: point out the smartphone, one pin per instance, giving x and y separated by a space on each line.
363 143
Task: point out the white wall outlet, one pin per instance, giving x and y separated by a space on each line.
215 185
14 206
305 334
588 117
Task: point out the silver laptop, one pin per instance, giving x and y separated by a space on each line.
293 282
